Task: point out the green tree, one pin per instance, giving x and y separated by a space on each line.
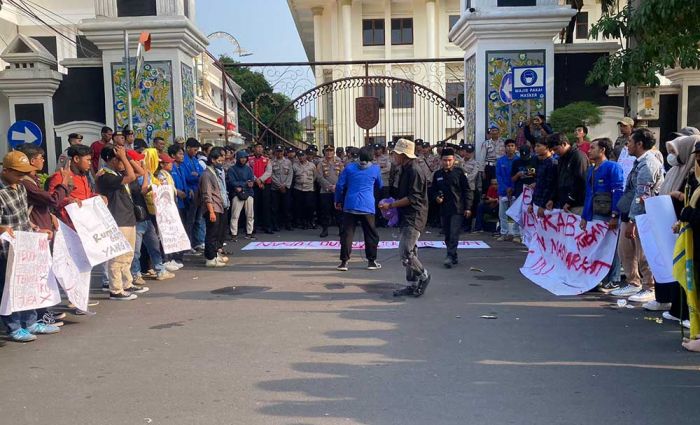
567 118
259 98
663 34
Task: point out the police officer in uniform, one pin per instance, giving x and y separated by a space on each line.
304 176
282 178
327 172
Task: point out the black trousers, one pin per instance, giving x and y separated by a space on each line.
304 206
452 227
282 208
263 206
347 234
329 215
214 238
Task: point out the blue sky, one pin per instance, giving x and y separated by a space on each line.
264 27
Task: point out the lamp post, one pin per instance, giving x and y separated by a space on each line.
238 50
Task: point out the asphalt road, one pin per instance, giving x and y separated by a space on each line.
281 337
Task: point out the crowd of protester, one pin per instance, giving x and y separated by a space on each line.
281 188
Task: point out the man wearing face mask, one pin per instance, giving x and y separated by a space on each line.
523 171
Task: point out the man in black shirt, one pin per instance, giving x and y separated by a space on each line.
453 194
113 182
571 174
523 172
412 204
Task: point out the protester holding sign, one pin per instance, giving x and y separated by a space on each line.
14 216
603 192
114 184
642 182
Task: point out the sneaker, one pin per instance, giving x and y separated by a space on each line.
250 237
199 247
138 280
214 262
643 296
49 318
42 328
178 264
454 261
151 274
79 312
124 296
405 291
608 287
372 265
422 285
165 274
169 266
138 289
686 324
57 315
502 238
668 316
90 304
222 258
517 239
447 263
626 291
22 335
654 305
343 266
105 288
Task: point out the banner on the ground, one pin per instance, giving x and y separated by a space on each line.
313 245
28 285
562 258
657 237
98 231
71 266
172 232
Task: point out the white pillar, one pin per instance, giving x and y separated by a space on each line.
431 51
318 71
346 11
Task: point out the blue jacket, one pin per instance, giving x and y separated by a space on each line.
180 183
238 176
355 188
504 166
190 165
608 179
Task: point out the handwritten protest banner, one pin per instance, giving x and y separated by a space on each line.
172 232
98 231
313 245
71 266
27 282
657 237
626 161
562 258
518 212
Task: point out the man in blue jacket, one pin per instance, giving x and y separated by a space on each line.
239 181
504 166
192 171
603 191
354 195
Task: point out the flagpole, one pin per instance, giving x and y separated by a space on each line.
127 65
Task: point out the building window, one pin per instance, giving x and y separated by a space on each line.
402 31
453 21
136 8
510 3
582 25
373 32
454 92
401 96
378 91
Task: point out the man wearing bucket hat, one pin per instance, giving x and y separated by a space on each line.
412 204
626 125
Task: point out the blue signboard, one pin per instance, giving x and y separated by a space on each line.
529 82
22 132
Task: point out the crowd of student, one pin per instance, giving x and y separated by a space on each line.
283 188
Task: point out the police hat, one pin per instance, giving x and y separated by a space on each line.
290 149
391 144
469 147
377 146
301 153
328 148
279 148
75 136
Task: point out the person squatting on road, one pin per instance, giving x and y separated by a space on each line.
412 204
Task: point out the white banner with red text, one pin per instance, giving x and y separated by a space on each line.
562 258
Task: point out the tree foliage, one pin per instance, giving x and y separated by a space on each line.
259 98
567 118
663 34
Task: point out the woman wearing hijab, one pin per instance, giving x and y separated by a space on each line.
691 215
682 160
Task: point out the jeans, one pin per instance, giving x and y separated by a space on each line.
482 209
408 251
508 227
146 234
347 234
614 273
236 206
18 319
452 227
